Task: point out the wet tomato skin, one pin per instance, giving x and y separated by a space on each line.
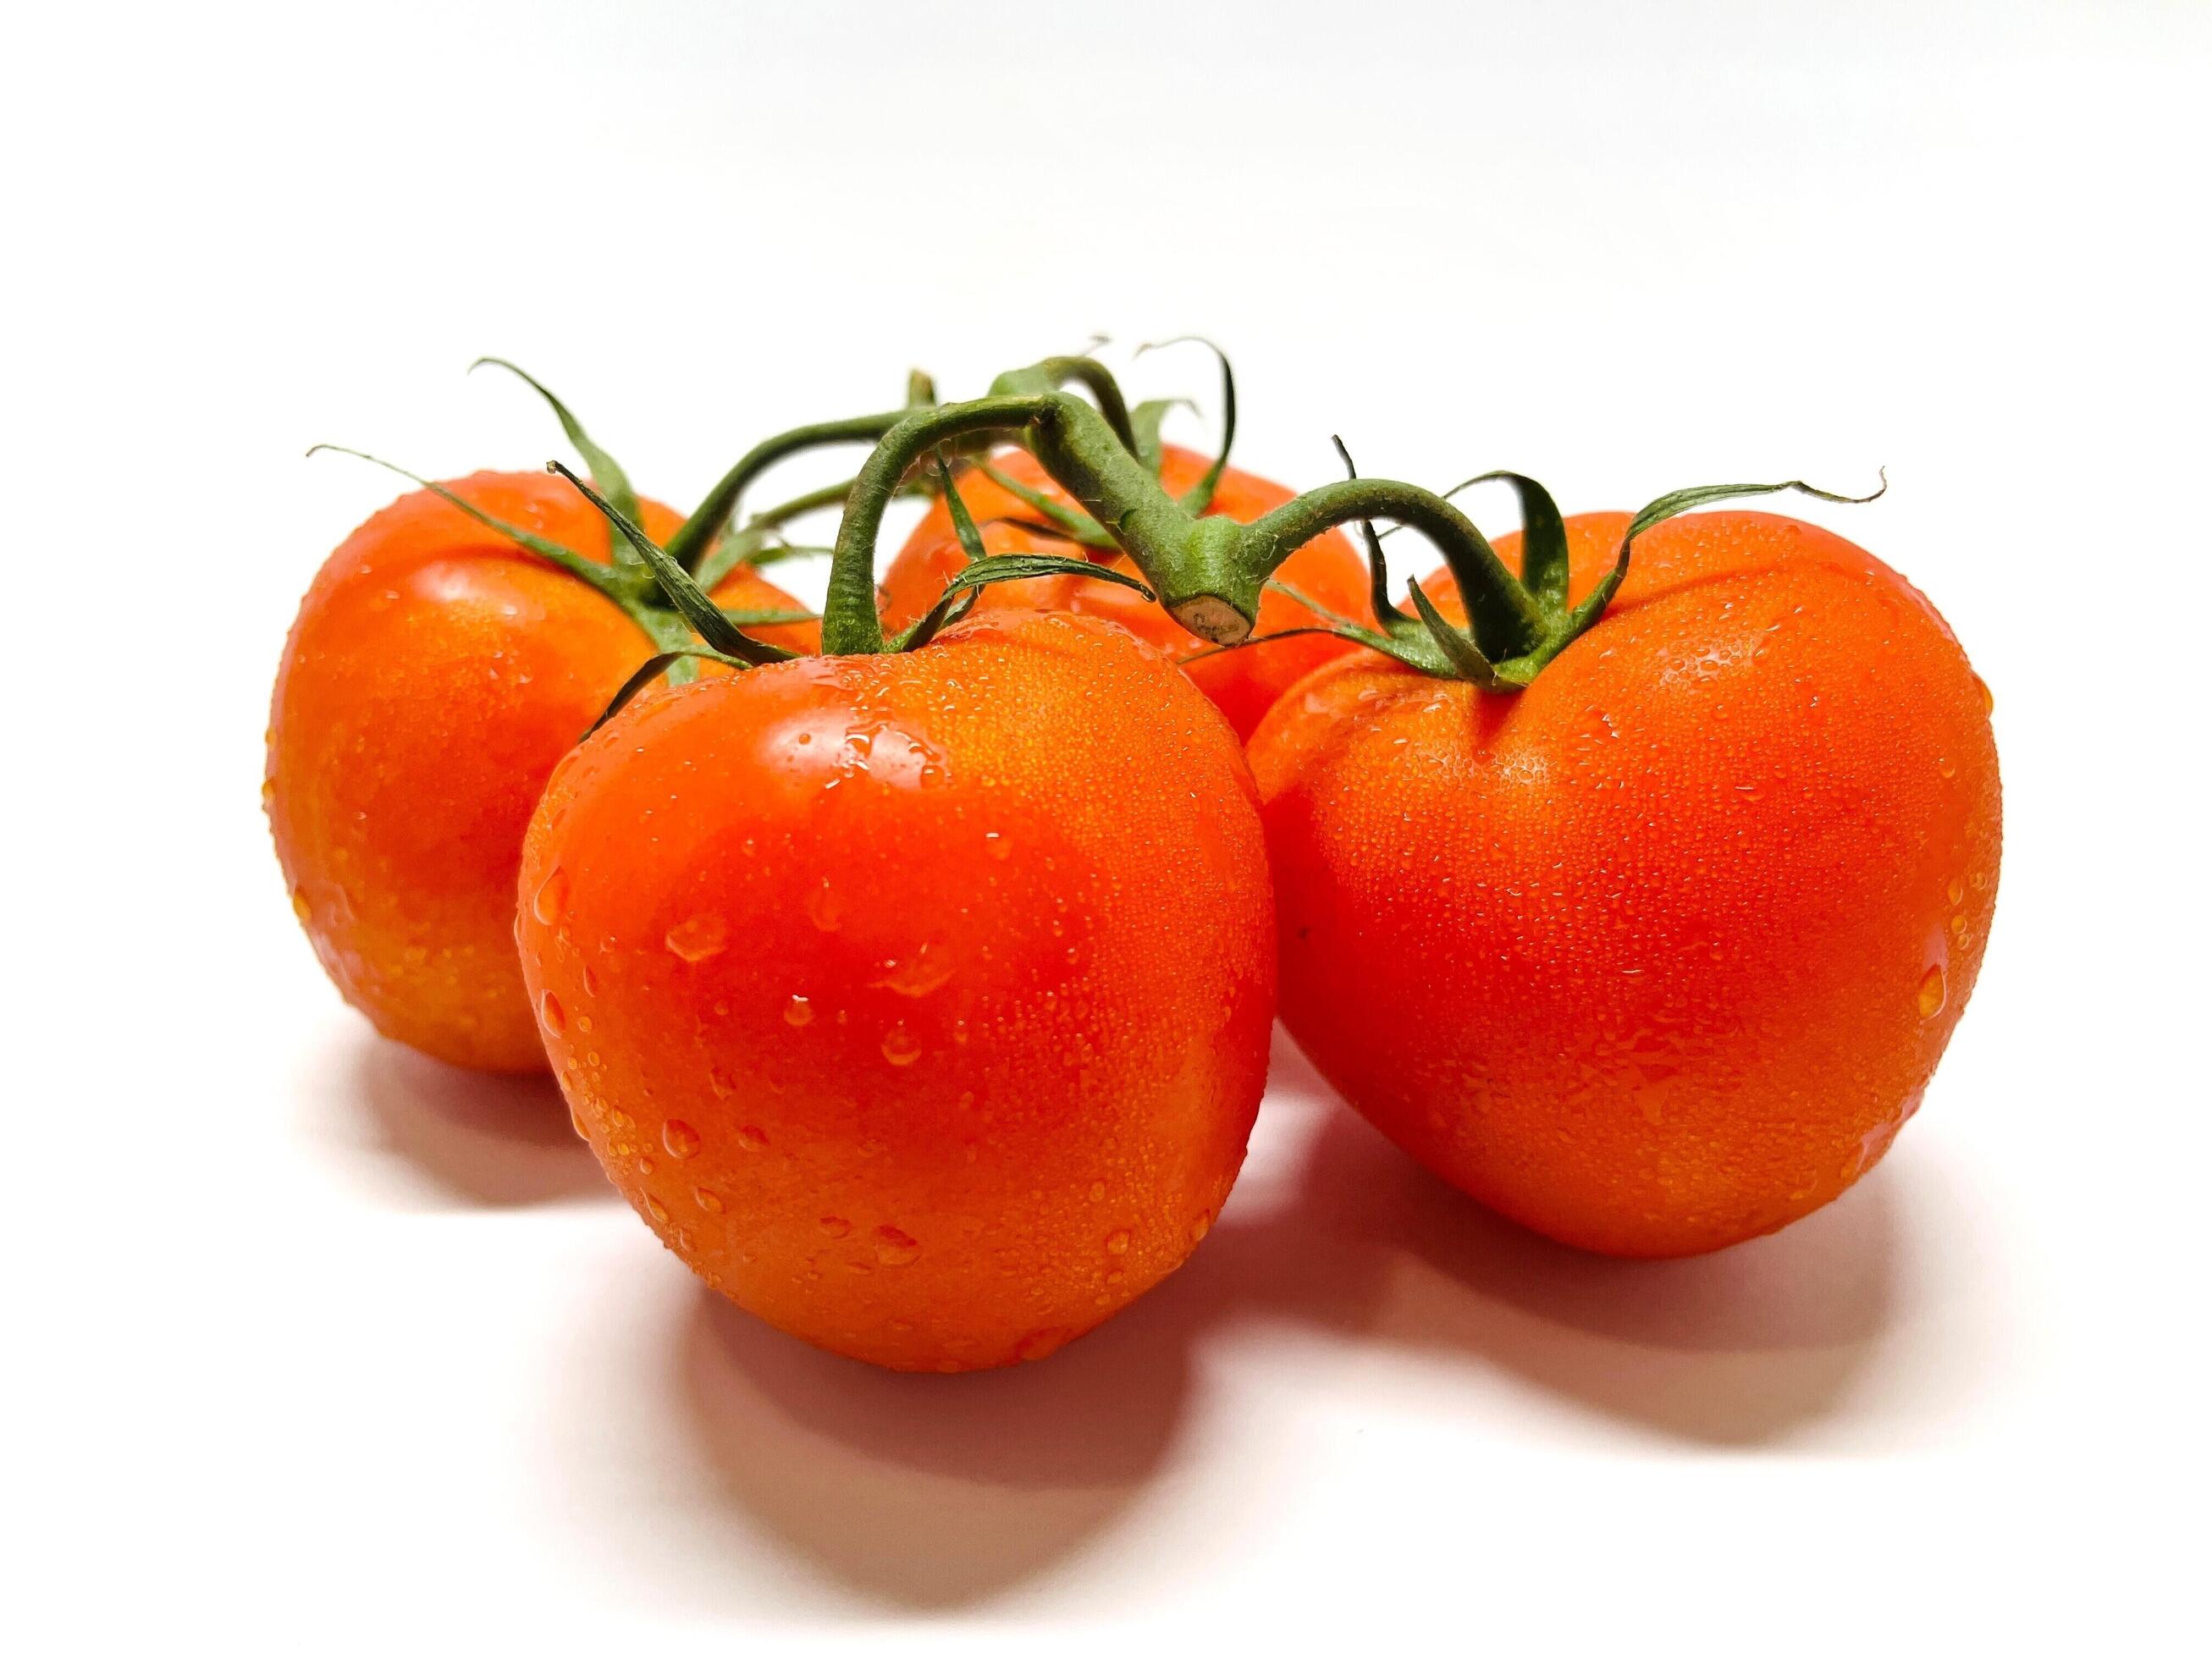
434 676
920 1003
1244 683
1658 955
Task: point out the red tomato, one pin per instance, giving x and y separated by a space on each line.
897 995
1658 954
1244 683
435 673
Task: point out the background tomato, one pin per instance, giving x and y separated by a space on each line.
1244 683
434 674
1658 954
898 997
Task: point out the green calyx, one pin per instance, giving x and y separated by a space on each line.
1513 631
707 546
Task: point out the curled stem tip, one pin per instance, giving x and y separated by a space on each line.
1199 496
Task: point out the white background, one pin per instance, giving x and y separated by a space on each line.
318 1347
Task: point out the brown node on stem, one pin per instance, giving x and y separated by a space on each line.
1213 619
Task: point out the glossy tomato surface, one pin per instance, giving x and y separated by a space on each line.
434 674
920 1003
1657 955
1244 683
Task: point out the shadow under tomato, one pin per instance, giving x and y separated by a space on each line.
928 1491
1741 1348
478 1138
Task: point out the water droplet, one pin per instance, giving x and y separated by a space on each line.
1959 926
1947 767
576 1122
1989 697
709 1200
918 973
681 1139
1957 890
1201 1226
550 1012
551 903
997 846
750 1139
901 1046
655 1208
645 1166
1037 1345
584 1024
300 903
618 1119
591 981
702 937
1097 1192
797 1012
895 1248
835 1226
822 908
1932 993
1117 1242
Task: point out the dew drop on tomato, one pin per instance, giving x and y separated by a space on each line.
681 1139
1039 1345
917 974
901 1046
1933 992
700 938
551 903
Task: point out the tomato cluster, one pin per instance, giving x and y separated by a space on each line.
911 970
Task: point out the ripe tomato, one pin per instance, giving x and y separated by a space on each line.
434 674
1658 954
1244 683
897 994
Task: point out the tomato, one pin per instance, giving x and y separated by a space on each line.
896 992
1658 954
1244 683
434 676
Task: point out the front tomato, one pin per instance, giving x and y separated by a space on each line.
921 1002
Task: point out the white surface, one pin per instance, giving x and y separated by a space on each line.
317 1347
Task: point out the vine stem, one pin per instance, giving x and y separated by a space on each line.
1208 571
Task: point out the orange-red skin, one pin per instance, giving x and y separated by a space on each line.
920 1003
434 674
1244 683
1657 955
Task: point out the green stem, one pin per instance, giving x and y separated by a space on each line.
745 546
690 544
850 626
1506 618
1093 376
1208 572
